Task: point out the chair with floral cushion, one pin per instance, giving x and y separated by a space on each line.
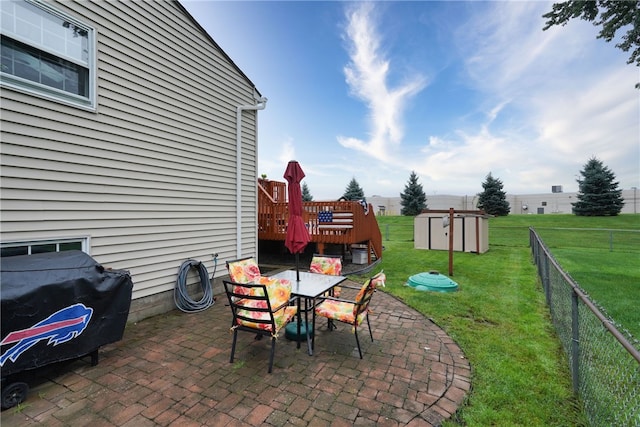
331 265
246 270
262 308
352 312
243 270
327 264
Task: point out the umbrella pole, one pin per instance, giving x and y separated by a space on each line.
297 267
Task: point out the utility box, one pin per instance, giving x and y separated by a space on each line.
359 256
470 231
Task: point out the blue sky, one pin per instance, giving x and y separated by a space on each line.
451 90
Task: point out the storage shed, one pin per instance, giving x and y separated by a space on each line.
470 230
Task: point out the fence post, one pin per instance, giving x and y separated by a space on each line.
575 343
542 262
610 241
546 279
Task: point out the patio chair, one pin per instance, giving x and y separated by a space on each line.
244 270
352 312
331 265
260 308
327 264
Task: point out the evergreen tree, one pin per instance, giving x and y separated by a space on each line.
493 200
353 191
598 193
413 199
306 194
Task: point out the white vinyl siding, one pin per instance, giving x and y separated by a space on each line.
151 176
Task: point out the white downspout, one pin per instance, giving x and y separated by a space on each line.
261 104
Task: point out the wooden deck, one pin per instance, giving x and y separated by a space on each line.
328 222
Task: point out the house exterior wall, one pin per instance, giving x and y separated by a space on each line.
546 203
149 177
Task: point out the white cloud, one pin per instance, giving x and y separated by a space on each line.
367 75
468 159
537 104
274 166
287 151
598 120
552 99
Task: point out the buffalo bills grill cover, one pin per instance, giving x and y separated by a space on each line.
59 306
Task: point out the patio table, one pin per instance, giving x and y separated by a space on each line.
310 286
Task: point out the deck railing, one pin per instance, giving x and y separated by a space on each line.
328 222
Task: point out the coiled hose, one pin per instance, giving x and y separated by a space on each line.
180 295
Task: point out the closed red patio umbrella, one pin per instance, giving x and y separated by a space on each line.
297 233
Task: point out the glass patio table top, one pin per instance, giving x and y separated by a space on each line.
311 285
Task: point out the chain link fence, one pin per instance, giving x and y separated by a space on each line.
397 232
605 366
596 239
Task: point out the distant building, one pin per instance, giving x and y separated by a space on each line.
547 203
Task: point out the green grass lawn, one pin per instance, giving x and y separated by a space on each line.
499 316
606 264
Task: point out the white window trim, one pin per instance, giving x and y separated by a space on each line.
53 94
84 240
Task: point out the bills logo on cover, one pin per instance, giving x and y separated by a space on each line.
62 326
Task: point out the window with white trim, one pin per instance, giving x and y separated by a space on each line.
42 246
47 53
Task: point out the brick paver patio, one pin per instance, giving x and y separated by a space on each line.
174 370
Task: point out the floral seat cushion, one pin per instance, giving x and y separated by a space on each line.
340 311
377 280
244 271
278 292
280 317
327 265
347 311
